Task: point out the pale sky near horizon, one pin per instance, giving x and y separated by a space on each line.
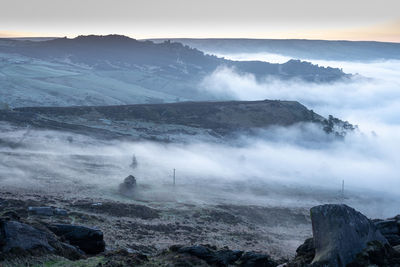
377 20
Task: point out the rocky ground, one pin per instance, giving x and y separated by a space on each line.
63 203
38 230
151 228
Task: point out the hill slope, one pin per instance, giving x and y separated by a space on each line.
295 48
117 70
169 121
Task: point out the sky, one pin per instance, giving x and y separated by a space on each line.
377 20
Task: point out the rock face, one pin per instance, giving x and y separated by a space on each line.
225 257
18 239
16 235
305 253
377 254
128 186
87 239
340 233
390 229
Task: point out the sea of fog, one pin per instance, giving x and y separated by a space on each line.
367 160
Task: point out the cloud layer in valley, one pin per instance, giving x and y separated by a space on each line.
292 158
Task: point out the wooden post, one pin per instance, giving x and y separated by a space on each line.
342 191
174 177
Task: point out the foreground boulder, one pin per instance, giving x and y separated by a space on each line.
305 254
390 229
225 257
340 233
87 239
376 254
18 238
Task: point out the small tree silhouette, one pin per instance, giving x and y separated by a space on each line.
134 162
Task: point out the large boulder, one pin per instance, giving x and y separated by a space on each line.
225 256
387 227
253 259
212 256
305 253
19 236
128 186
87 239
340 233
390 230
376 254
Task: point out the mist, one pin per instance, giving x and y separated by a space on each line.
370 100
292 166
289 170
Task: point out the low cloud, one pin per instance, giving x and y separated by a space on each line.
279 165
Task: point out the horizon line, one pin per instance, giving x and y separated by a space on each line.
196 38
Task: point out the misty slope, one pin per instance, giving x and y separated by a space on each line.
295 48
168 122
117 70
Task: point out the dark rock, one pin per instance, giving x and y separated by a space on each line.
307 248
376 254
393 239
117 257
43 211
70 252
87 239
340 233
20 236
19 239
47 211
252 259
390 230
225 256
60 212
11 215
128 186
305 253
387 227
211 255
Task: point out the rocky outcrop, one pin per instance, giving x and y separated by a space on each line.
376 254
225 257
128 186
16 235
340 233
343 236
305 253
26 231
390 229
18 238
87 239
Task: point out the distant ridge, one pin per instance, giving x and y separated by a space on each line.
117 70
297 48
33 39
147 121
